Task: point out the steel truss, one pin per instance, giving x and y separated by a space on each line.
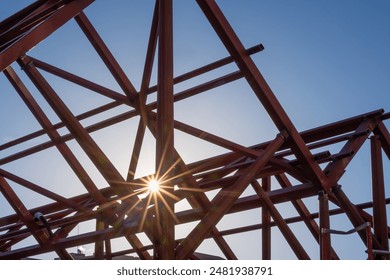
289 155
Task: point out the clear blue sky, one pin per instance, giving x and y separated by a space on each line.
324 60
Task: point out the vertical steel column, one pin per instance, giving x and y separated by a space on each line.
325 243
378 193
266 224
353 214
164 244
107 244
370 254
99 246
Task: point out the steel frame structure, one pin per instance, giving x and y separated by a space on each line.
289 154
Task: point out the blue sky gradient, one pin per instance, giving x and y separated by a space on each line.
324 60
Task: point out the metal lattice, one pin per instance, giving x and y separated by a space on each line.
287 169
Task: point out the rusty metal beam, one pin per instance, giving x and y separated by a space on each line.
142 96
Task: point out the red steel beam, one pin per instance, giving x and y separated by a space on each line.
13 20
27 218
148 65
142 96
289 220
107 57
385 137
136 151
99 244
291 239
102 163
29 22
165 243
200 200
42 31
325 241
124 116
336 169
261 89
305 214
80 81
378 194
266 222
224 200
53 134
